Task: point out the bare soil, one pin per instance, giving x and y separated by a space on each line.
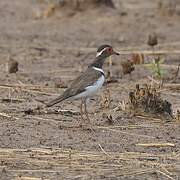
51 51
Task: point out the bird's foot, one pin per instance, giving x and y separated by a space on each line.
87 127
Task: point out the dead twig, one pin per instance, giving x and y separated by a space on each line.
39 111
172 86
27 178
153 80
156 145
164 174
9 116
128 127
23 88
103 150
12 100
177 72
149 118
172 94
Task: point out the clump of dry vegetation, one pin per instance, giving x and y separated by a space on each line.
167 7
106 99
71 6
127 67
152 39
137 58
147 100
12 66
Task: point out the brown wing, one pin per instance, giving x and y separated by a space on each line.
87 78
78 85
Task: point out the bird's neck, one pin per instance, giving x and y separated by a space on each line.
98 62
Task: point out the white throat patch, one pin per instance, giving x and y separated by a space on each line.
99 53
98 69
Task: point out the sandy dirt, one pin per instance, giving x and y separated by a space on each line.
51 52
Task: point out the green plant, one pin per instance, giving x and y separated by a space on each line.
156 68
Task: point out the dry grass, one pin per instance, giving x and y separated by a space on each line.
162 49
47 160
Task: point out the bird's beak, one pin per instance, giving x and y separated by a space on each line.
116 53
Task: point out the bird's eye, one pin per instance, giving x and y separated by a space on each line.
109 50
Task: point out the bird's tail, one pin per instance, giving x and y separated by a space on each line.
55 101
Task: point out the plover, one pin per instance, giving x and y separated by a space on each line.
88 83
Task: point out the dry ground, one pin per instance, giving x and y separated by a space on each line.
51 52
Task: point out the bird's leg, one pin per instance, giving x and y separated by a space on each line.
81 113
110 67
86 113
87 116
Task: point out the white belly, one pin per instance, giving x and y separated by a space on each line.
91 90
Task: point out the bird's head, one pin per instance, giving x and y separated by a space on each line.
105 51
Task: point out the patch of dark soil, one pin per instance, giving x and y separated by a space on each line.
85 4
